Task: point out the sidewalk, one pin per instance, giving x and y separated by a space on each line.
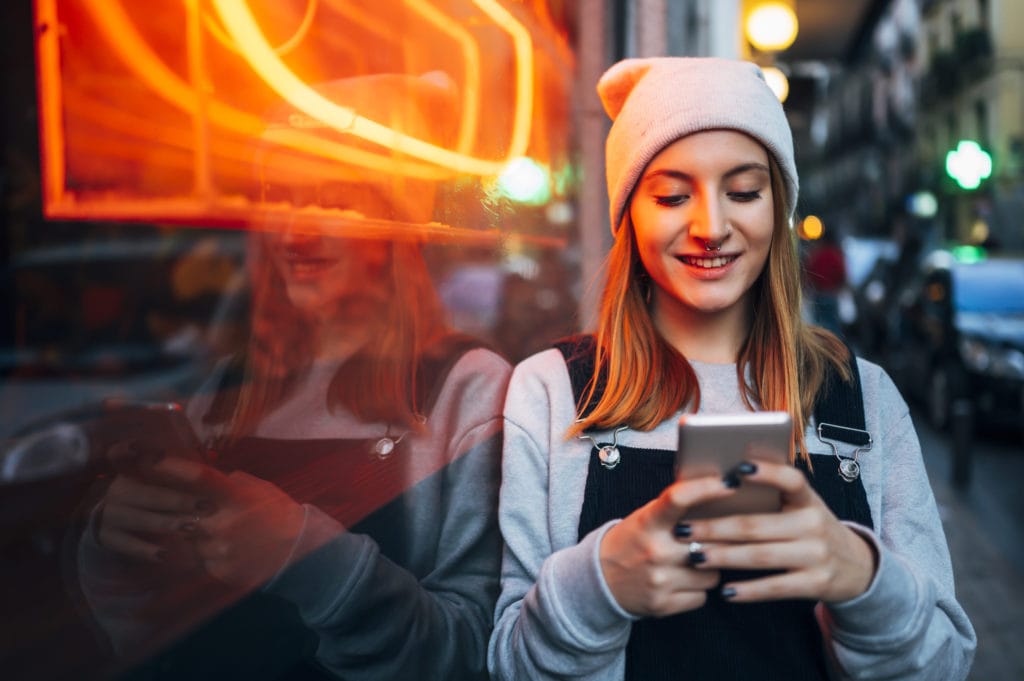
989 579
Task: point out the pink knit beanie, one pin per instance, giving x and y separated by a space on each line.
654 102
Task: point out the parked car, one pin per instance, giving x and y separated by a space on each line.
962 339
863 303
90 312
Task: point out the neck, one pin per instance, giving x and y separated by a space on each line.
713 337
339 341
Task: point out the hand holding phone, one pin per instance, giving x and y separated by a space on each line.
713 444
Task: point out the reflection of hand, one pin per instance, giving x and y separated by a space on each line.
252 530
647 565
148 521
822 558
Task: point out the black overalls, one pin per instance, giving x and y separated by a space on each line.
721 640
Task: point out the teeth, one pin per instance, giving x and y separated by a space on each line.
707 263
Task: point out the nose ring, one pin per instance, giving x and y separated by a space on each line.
709 247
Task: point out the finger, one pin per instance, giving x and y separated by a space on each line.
788 479
133 520
758 527
131 546
784 555
786 585
192 475
679 497
129 492
680 601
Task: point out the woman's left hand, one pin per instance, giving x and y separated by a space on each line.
252 528
822 558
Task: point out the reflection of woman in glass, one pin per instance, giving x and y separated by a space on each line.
349 524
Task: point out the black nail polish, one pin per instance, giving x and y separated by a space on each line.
727 592
682 530
731 480
695 558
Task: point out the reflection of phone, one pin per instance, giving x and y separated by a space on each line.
136 434
712 444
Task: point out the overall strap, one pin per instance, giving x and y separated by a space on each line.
839 415
839 407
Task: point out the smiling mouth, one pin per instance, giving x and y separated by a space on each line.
707 263
306 266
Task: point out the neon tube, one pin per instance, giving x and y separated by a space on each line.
135 53
242 26
523 45
471 59
51 124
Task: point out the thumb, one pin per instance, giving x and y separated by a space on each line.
195 476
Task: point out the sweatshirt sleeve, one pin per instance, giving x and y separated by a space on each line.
376 619
908 625
556 617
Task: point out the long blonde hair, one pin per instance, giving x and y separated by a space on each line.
379 383
648 380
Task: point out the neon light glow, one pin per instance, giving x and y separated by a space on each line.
471 59
252 44
525 181
158 111
968 164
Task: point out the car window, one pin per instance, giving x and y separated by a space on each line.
990 287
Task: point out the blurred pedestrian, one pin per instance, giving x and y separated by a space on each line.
825 274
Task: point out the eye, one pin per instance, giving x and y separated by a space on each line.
745 197
671 200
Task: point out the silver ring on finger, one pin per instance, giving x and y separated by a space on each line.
695 554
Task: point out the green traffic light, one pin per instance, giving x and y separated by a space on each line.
968 164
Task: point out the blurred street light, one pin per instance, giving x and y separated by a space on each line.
968 164
777 81
771 26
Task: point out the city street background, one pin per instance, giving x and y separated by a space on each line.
986 540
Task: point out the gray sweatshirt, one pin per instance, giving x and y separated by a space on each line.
556 617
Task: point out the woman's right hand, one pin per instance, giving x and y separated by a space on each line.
646 560
142 518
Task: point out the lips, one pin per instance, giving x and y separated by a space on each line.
707 262
303 266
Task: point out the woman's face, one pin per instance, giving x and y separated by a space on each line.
330 277
333 278
710 188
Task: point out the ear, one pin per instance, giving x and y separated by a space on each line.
618 81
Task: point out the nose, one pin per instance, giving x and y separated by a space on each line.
708 221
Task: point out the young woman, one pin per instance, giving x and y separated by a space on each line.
347 526
605 576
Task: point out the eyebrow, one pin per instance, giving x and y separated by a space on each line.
732 172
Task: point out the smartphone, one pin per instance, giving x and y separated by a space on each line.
712 444
136 434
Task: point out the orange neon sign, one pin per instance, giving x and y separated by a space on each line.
152 113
